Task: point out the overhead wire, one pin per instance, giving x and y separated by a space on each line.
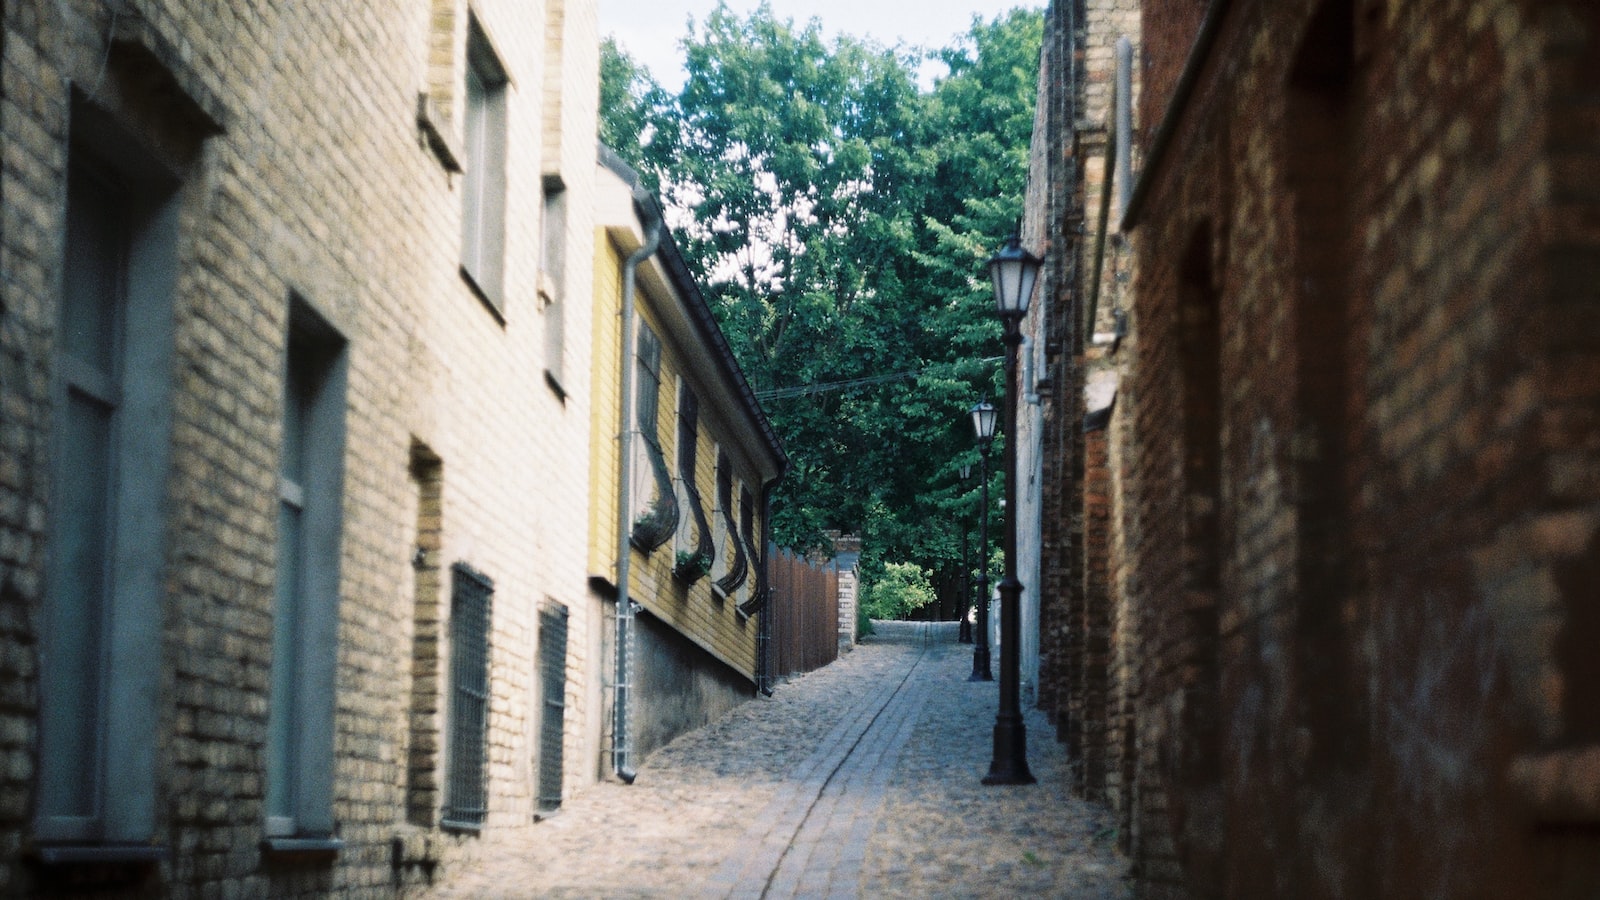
823 387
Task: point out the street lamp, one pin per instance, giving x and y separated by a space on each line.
1014 271
983 422
964 629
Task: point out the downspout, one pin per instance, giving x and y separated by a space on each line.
764 664
621 739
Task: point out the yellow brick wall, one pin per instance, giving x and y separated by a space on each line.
319 184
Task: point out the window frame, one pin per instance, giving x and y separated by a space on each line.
132 384
655 517
298 791
553 277
459 768
485 83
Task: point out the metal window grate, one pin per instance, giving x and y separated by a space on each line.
466 798
553 687
737 564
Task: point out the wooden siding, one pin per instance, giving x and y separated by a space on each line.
695 610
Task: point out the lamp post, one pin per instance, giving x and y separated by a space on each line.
983 422
1014 271
964 629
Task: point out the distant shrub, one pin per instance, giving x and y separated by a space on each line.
902 588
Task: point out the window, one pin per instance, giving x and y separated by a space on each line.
734 573
747 534
553 689
1319 149
467 788
305 618
483 189
1199 339
99 658
552 277
655 507
695 546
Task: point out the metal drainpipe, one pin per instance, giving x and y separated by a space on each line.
764 628
621 739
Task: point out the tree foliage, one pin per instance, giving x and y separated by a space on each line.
902 589
838 217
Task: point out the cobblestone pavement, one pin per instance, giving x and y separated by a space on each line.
858 780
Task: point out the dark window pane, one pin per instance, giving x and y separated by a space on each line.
75 653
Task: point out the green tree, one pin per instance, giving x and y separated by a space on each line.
636 118
838 219
902 589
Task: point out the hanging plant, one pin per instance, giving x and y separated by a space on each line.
691 566
655 527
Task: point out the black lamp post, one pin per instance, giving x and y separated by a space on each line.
983 422
964 629
1014 271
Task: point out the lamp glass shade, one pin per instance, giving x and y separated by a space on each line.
984 417
1014 271
966 471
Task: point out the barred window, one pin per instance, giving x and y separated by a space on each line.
466 797
737 565
695 545
655 506
553 688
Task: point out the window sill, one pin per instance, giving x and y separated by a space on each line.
554 384
433 134
457 826
86 854
494 308
300 849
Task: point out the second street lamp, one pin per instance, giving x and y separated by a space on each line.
1014 271
983 421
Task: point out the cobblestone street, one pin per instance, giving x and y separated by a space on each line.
858 780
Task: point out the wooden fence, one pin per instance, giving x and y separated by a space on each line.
805 612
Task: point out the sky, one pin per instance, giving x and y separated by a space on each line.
650 29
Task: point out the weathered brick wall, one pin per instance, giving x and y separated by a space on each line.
318 184
1362 512
1047 184
1080 688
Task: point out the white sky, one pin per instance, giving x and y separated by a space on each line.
650 29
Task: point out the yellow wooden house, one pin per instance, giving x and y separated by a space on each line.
684 461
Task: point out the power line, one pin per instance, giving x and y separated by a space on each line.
823 387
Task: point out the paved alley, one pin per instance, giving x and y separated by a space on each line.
857 780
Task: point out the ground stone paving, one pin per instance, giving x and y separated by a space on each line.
858 780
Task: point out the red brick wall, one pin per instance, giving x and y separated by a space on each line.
1363 555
